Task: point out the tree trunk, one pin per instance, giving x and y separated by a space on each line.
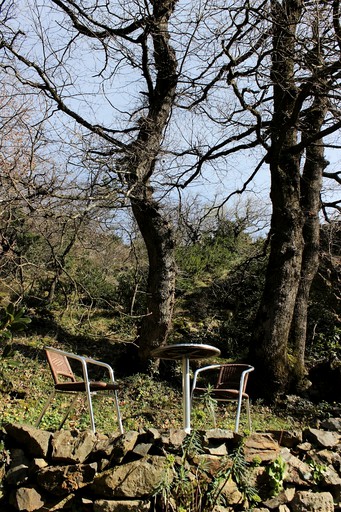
158 237
311 184
274 318
294 233
139 166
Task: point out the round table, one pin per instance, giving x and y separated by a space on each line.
185 352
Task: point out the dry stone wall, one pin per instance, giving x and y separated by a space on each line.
84 472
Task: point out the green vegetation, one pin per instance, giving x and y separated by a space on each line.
275 472
94 309
318 470
200 488
25 382
88 282
11 320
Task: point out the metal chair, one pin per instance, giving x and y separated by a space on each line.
230 385
65 382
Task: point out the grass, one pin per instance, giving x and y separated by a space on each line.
25 382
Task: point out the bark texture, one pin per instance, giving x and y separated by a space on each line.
139 165
311 184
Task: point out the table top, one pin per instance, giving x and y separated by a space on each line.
189 350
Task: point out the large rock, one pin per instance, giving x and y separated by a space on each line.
331 482
282 498
297 472
18 470
176 437
323 438
333 424
328 457
262 447
63 480
219 433
215 441
142 449
27 499
287 438
35 442
122 445
72 446
137 479
231 492
212 463
218 450
307 501
17 475
104 444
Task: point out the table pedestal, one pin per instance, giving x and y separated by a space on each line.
186 395
185 352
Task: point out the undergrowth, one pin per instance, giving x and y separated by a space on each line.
25 383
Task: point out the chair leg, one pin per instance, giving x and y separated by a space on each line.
91 411
68 411
118 413
239 406
48 402
248 414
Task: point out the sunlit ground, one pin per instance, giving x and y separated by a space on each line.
25 383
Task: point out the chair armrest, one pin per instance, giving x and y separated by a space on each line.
199 370
242 379
84 362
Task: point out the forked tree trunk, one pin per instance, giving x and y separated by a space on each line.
311 184
293 261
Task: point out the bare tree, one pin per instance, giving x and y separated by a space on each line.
135 39
206 84
281 60
44 213
305 70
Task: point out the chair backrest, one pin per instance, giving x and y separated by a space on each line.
230 374
60 366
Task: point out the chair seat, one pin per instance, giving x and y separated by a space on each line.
221 393
80 386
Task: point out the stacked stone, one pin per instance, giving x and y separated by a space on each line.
74 470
